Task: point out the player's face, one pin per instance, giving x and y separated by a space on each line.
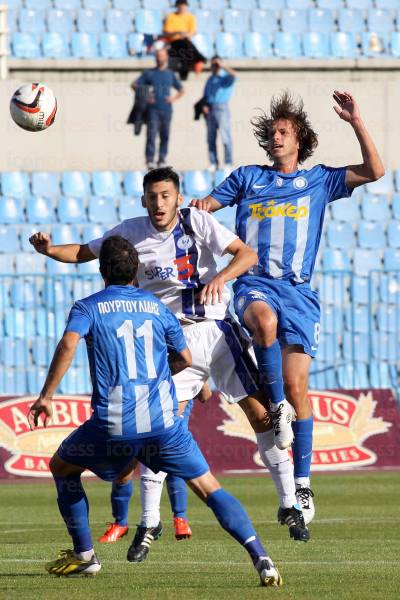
162 201
283 140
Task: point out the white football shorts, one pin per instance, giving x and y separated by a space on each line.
220 350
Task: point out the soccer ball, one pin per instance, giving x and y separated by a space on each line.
33 107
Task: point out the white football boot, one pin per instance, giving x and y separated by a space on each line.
305 495
282 416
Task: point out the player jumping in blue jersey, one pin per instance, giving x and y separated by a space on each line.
128 333
280 213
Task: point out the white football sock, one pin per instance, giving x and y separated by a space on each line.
280 466
151 485
302 482
86 555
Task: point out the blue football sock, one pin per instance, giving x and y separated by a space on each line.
269 361
177 492
74 508
234 519
121 494
302 446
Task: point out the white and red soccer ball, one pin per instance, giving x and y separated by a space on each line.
33 107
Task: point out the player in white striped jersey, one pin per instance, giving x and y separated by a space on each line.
280 213
176 252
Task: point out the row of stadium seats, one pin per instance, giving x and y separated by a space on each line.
295 20
81 184
284 45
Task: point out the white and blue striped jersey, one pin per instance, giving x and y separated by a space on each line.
127 331
175 265
280 215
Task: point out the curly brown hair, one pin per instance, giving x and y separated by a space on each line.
286 107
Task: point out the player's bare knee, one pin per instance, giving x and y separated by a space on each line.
263 328
296 391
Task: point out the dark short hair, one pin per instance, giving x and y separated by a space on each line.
285 107
118 260
162 174
178 2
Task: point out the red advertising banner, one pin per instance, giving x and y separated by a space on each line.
352 429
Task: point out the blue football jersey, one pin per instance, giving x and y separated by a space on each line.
280 215
127 331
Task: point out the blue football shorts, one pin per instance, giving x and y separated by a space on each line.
296 308
174 451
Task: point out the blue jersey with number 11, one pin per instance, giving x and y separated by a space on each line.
127 331
280 215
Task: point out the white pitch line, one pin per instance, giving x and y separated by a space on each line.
225 563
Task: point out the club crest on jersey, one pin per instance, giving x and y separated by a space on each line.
300 183
185 242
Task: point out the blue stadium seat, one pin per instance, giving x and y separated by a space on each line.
299 4
213 4
340 235
385 346
95 4
12 20
86 285
389 288
90 21
335 259
133 183
359 4
60 21
236 21
157 4
19 323
391 258
15 184
45 184
113 45
356 346
294 20
244 4
371 235
40 210
126 4
388 318
375 208
9 241
43 350
229 45
130 207
220 175
24 293
379 375
257 45
373 45
332 289
54 267
106 183
329 348
321 20
380 21
332 319
32 21
102 210
343 45
264 21
136 43
387 4
84 45
7 264
148 21
207 21
346 209
365 261
65 234
119 21
287 45
11 211
384 185
394 43
357 318
393 233
67 4
55 45
14 4
15 353
353 376
331 4
76 183
71 210
204 43
197 183
397 179
92 232
57 292
25 45
351 20
276 5
316 45
322 376
88 268
396 206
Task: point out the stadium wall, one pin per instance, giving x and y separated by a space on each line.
90 132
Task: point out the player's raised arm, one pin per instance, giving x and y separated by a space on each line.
243 259
372 167
62 359
67 253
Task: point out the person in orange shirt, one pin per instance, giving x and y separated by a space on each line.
179 28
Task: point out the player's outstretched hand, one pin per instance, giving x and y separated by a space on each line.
347 108
41 406
212 292
41 242
201 204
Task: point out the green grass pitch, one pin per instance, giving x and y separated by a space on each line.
354 553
